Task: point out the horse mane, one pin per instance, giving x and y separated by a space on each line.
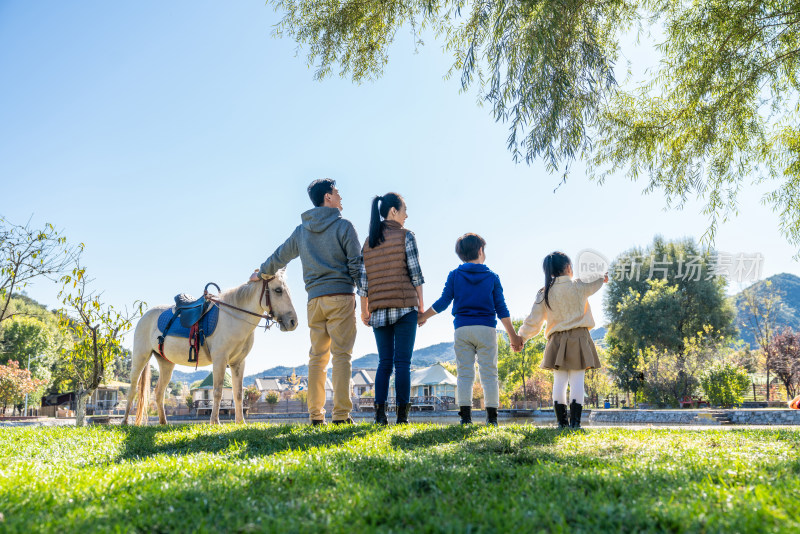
241 295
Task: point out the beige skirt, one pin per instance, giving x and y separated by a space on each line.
571 350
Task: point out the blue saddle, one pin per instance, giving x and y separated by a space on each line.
208 323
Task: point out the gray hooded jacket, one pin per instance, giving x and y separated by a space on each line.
329 249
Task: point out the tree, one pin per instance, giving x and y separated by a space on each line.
658 300
725 384
667 293
30 341
598 383
15 383
785 361
251 395
537 387
514 369
301 396
670 377
626 365
27 253
762 307
96 329
695 126
175 388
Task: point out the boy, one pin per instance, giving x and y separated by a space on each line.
478 302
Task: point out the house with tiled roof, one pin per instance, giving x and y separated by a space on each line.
288 385
202 393
362 381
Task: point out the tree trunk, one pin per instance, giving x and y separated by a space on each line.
80 406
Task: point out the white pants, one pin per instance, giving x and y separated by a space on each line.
575 380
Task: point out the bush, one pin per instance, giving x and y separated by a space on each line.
369 394
301 396
537 388
724 384
189 401
272 397
251 394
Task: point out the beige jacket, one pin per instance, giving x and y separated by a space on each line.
569 308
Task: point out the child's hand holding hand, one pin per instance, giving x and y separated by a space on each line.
516 342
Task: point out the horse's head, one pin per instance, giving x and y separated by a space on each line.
281 302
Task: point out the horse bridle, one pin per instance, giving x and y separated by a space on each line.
268 315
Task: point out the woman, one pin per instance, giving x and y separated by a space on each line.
391 297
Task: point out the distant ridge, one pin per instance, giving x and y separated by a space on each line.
788 286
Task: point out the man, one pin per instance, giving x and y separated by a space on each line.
330 252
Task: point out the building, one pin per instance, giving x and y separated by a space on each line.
203 394
433 381
108 398
362 381
287 386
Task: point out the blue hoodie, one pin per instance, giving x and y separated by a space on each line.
476 294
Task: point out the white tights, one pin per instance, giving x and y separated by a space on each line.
575 380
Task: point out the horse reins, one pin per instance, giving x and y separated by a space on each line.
270 318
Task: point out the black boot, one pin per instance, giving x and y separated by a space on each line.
402 414
561 414
348 421
491 416
380 415
466 414
575 410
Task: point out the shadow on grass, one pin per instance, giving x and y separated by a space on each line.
488 480
242 441
496 441
249 441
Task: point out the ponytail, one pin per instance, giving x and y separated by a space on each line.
375 227
555 264
380 210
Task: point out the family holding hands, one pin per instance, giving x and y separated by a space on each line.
386 274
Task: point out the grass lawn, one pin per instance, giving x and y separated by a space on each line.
420 478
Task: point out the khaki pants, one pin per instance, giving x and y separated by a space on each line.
480 341
332 321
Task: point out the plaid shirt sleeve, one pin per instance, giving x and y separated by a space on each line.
362 287
412 259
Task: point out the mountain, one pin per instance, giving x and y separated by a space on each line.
788 287
189 378
599 336
442 352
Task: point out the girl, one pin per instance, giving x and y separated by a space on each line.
570 351
391 297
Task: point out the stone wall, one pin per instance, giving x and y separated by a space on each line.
764 417
695 417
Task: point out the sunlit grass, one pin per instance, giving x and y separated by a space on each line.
361 478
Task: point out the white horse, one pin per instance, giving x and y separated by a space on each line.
226 347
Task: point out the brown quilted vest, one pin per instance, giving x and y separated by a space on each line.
387 271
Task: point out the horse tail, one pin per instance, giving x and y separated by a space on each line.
143 395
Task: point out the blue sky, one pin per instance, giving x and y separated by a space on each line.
116 116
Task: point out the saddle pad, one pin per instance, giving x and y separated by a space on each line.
207 323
